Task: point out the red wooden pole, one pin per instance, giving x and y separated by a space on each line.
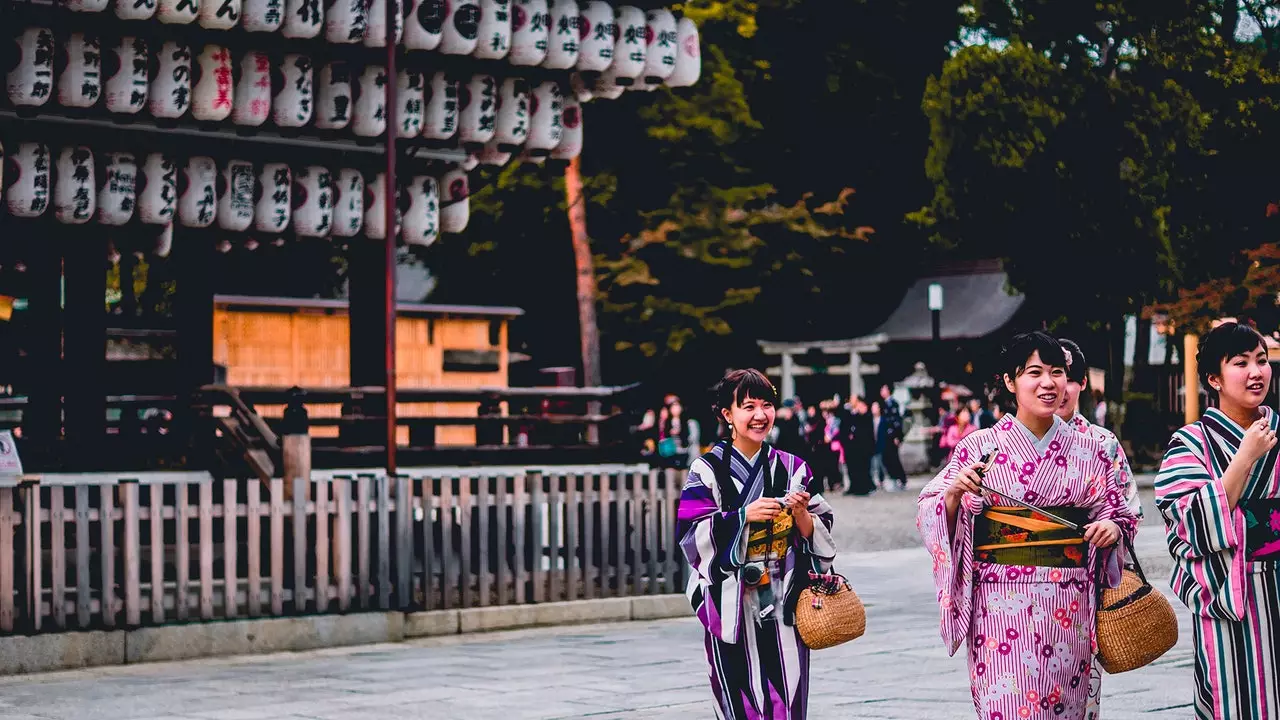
393 9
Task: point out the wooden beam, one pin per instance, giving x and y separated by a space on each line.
867 344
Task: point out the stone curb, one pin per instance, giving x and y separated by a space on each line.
21 654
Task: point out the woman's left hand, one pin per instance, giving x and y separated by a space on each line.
799 504
1102 533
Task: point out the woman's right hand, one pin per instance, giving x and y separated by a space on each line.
764 509
1258 441
966 481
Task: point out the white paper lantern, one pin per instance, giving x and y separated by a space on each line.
375 34
424 24
126 72
273 192
375 198
261 15
688 55
74 194
27 180
157 190
410 97
117 193
170 93
80 82
291 106
580 88
546 106
178 12
164 241
91 6
214 94
135 9
606 86
493 154
252 95
461 27
313 201
302 18
421 223
455 205
440 121
661 39
198 192
599 32
493 33
370 119
345 21
348 203
236 187
570 145
513 115
478 110
530 32
30 82
333 97
629 52
565 43
219 14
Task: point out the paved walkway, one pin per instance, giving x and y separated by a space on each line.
638 670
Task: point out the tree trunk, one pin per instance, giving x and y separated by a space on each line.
587 288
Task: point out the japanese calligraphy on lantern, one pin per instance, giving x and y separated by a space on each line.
313 202
370 119
424 24
546 106
30 81
420 225
660 37
212 97
171 90
345 21
440 121
274 185
348 203
478 110
565 34
219 14
75 196
261 15
291 106
135 9
411 98
198 201
236 188
80 83
179 12
597 29
513 115
252 103
302 19
157 191
333 97
530 32
116 193
493 32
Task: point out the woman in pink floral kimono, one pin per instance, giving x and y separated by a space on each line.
1017 586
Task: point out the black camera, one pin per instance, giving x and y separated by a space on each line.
753 573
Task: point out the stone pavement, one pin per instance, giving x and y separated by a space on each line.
899 670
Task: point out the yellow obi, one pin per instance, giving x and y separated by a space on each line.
1017 536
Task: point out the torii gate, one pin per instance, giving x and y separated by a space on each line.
854 348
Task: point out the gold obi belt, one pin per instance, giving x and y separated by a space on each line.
1017 536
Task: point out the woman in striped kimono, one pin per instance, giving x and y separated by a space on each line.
1077 382
1018 586
1219 494
752 534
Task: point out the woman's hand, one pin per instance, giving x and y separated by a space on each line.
1102 533
1258 441
799 503
966 481
764 509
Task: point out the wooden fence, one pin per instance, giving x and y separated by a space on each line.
100 551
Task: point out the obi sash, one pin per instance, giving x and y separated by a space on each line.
1017 536
1262 528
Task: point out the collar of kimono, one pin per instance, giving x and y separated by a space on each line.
1040 444
1229 429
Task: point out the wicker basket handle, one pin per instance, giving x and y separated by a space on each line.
1127 544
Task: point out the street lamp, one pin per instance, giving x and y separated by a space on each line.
935 307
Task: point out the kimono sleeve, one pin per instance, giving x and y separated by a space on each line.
712 541
1197 516
952 556
1109 501
822 546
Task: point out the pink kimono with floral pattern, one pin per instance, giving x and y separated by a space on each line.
1029 630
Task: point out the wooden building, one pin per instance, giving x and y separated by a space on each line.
283 342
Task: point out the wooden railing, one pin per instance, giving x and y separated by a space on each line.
101 551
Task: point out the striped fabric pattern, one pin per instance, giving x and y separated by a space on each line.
1235 602
758 669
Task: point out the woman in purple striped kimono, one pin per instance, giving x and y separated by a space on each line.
1219 493
752 533
1018 586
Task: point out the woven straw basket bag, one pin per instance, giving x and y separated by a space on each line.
1136 624
826 619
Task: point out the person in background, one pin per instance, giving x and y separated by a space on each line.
678 437
788 435
981 416
861 448
1099 409
962 429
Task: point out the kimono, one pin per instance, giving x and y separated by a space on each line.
1026 611
757 664
1225 567
1111 444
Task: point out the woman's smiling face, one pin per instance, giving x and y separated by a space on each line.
1039 387
751 418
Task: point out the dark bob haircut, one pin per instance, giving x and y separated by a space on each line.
1223 343
1077 368
738 385
1021 347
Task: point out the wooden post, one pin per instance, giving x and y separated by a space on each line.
576 203
1191 378
296 443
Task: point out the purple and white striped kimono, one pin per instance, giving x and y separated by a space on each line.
758 666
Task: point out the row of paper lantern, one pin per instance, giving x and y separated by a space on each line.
481 110
634 45
269 198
